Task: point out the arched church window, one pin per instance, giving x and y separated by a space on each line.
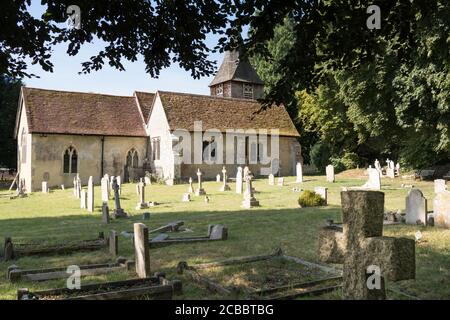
70 160
132 159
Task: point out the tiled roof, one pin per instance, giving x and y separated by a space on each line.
183 109
62 112
236 68
145 100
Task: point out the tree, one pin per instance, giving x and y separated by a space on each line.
162 32
9 93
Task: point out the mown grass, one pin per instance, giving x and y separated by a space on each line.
279 222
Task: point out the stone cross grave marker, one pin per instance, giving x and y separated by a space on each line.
90 195
104 189
200 191
299 171
118 211
141 204
440 185
368 257
225 186
239 182
330 173
141 249
249 199
323 192
416 207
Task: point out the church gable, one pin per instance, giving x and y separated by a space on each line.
61 112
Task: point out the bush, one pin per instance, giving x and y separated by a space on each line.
320 155
310 199
348 161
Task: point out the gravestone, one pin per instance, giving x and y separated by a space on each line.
119 183
78 191
104 189
440 185
249 199
239 182
105 213
147 181
416 207
397 169
200 191
113 243
225 186
271 180
323 192
141 249
90 195
374 182
44 187
378 166
191 188
217 232
299 171
75 187
390 173
441 209
363 250
83 199
63 187
186 197
111 183
218 178
280 181
141 204
330 173
246 171
8 249
118 211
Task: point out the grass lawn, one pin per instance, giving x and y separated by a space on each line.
277 223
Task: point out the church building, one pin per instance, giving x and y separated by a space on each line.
168 134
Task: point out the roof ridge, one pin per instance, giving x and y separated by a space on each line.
80 92
209 96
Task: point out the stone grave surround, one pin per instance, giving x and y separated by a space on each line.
416 207
362 248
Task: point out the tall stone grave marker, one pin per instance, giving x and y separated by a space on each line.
239 182
225 186
200 191
249 199
330 173
271 180
191 188
141 249
141 204
83 199
441 208
90 195
118 211
299 171
104 188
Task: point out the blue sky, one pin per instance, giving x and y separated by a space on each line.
109 80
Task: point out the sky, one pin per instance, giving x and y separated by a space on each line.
110 80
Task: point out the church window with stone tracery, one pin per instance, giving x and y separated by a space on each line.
70 162
132 159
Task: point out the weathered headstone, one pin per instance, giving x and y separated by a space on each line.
246 171
323 192
281 181
105 213
239 182
368 257
186 197
191 188
90 195
147 181
390 173
113 243
330 173
200 191
78 190
440 185
271 180
416 207
249 199
8 249
225 186
374 182
83 199
299 171
218 178
63 187
75 187
378 166
142 252
217 232
441 209
44 187
104 189
118 211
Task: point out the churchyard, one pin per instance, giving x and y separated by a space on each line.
278 222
